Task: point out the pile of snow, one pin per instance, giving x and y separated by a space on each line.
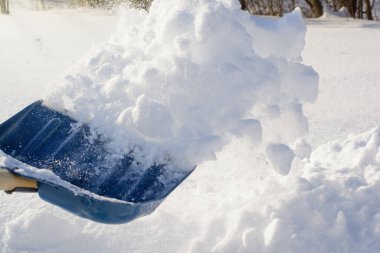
178 83
333 201
327 203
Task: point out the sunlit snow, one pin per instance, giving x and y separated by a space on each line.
327 202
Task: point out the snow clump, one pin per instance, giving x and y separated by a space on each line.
178 83
328 203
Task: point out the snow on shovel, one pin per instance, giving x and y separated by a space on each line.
46 151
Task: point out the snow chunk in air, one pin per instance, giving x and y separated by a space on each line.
178 83
280 156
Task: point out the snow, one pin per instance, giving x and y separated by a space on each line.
29 52
281 157
328 202
302 149
348 66
168 89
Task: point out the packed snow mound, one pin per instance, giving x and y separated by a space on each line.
178 83
337 200
330 203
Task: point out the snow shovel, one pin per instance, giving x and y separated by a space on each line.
52 154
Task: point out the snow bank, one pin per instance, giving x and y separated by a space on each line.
329 203
179 83
337 201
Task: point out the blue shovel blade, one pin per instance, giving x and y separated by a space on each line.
116 192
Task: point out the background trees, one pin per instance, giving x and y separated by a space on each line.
362 9
141 4
4 6
356 8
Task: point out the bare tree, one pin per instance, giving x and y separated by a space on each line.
40 4
4 5
356 8
316 7
369 8
141 4
138 4
268 7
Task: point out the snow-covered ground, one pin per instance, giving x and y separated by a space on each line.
238 203
343 52
38 46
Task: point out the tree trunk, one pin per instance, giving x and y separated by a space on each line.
243 5
368 10
293 6
249 6
351 5
360 9
4 5
280 4
316 7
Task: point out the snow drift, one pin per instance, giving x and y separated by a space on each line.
178 83
329 203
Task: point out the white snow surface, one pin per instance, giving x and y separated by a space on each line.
328 202
178 83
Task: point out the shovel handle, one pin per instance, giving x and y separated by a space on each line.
10 182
